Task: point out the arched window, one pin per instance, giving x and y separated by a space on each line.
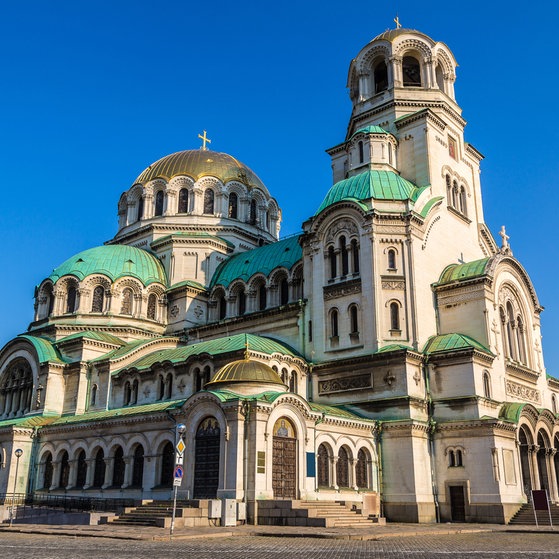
355 255
47 471
152 305
448 190
462 200
127 393
127 297
252 213
323 466
334 324
361 469
222 307
284 376
486 385
361 152
510 332
134 395
233 206
183 201
380 75
293 382
262 297
140 213
345 257
99 471
209 197
50 297
71 300
411 72
98 299
94 390
159 203
161 388
342 468
332 258
169 386
458 458
82 470
16 388
391 254
118 467
167 464
520 340
554 404
394 316
455 195
390 156
353 319
64 471
451 459
439 77
138 468
284 291
241 302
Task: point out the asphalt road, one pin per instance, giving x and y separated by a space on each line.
477 545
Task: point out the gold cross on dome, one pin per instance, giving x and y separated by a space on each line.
397 22
205 140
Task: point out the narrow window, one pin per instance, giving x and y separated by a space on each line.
448 190
138 467
411 72
391 259
140 208
458 457
451 459
48 472
183 201
50 303
284 292
161 388
332 258
241 302
486 385
71 300
353 317
159 203
310 330
355 255
64 471
462 199
334 323
293 382
554 404
82 470
345 258
126 307
209 201
222 306
127 393
262 297
134 396
169 386
93 395
233 205
394 316
454 195
390 154
361 154
381 77
152 300
252 213
118 467
98 299
520 341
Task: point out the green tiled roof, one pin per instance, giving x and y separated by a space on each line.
427 208
335 411
461 272
91 335
263 259
46 351
119 412
379 185
187 283
28 421
125 349
452 342
394 347
219 346
370 130
511 411
113 261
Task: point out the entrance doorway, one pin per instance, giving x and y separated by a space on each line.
284 458
457 503
206 461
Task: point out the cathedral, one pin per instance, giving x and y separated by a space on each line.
389 355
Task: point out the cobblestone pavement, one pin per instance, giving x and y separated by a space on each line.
479 545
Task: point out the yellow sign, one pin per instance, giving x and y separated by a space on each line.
180 446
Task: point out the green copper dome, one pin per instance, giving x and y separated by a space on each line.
378 185
113 261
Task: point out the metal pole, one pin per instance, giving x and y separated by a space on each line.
17 453
174 510
181 428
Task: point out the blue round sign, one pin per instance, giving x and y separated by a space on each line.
179 472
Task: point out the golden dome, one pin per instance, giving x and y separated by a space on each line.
198 163
245 371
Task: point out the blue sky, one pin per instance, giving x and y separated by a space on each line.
93 92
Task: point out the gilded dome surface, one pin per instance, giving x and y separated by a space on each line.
245 370
113 261
198 163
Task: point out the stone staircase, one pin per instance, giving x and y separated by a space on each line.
324 514
525 516
159 513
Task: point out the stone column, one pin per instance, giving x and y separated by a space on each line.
397 68
55 475
73 474
128 471
109 462
534 470
90 473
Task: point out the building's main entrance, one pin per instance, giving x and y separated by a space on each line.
206 462
284 459
457 503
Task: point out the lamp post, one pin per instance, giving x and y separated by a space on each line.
18 454
177 473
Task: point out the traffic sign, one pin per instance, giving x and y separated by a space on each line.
179 472
180 446
179 459
177 482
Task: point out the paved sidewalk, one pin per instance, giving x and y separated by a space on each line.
391 530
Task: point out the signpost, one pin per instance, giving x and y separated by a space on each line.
18 454
179 470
